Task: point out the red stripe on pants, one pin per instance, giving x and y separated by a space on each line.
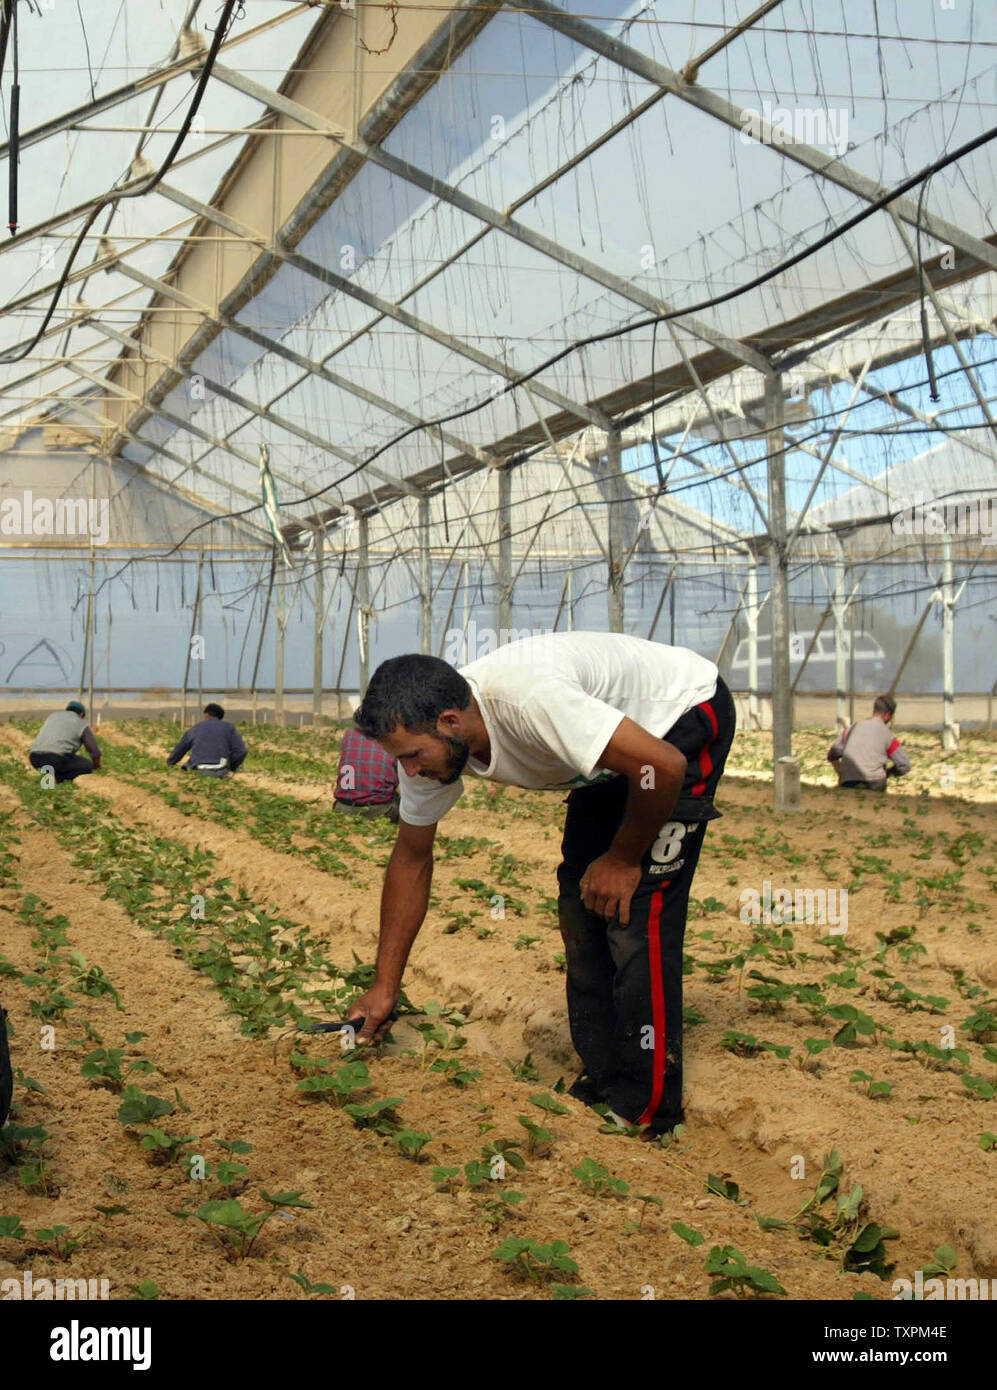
658 1006
705 761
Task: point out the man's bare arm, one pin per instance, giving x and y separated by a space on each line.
655 771
404 902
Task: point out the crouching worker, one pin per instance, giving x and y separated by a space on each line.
58 743
862 754
634 735
367 781
215 746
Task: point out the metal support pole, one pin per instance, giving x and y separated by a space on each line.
317 649
195 615
838 609
363 601
200 606
278 681
782 699
851 646
614 501
91 599
425 580
503 574
950 729
751 613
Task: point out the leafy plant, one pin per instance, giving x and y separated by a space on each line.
411 1142
235 1229
534 1261
734 1273
138 1108
597 1180
538 1138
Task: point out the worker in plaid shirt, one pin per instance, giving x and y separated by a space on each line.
367 781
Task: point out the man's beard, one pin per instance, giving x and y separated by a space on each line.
459 752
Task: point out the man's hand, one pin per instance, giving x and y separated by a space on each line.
607 886
374 1007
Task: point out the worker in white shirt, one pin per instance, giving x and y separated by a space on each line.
637 733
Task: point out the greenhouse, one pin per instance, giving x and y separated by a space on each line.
645 349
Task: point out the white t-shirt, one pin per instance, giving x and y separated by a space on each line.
552 703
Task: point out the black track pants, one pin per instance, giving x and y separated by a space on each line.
625 983
65 766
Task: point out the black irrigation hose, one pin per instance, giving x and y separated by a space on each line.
868 211
115 195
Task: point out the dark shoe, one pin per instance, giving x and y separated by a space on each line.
585 1090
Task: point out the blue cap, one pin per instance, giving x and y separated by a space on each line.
77 708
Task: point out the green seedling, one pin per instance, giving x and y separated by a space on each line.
538 1139
446 1179
854 1024
524 1070
726 1187
746 1045
945 1261
411 1142
165 1148
564 1293
454 1072
35 1179
734 1273
979 1086
531 1260
115 1210
546 1102
523 943
345 1081
687 1234
59 1241
495 1211
313 1290
103 1067
502 1152
988 1141
21 1143
872 1088
11 1228
28 1083
146 1290
646 1200
138 1108
597 1180
982 1024
90 979
235 1229
378 1115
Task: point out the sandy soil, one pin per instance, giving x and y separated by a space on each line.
915 1152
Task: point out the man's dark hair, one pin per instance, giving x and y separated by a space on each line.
884 704
215 710
413 691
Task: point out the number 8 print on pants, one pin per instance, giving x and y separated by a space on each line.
625 983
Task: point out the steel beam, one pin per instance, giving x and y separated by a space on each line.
494 365
498 221
834 170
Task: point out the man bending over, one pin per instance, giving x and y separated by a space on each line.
637 733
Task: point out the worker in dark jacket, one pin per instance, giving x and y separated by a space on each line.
215 746
58 744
